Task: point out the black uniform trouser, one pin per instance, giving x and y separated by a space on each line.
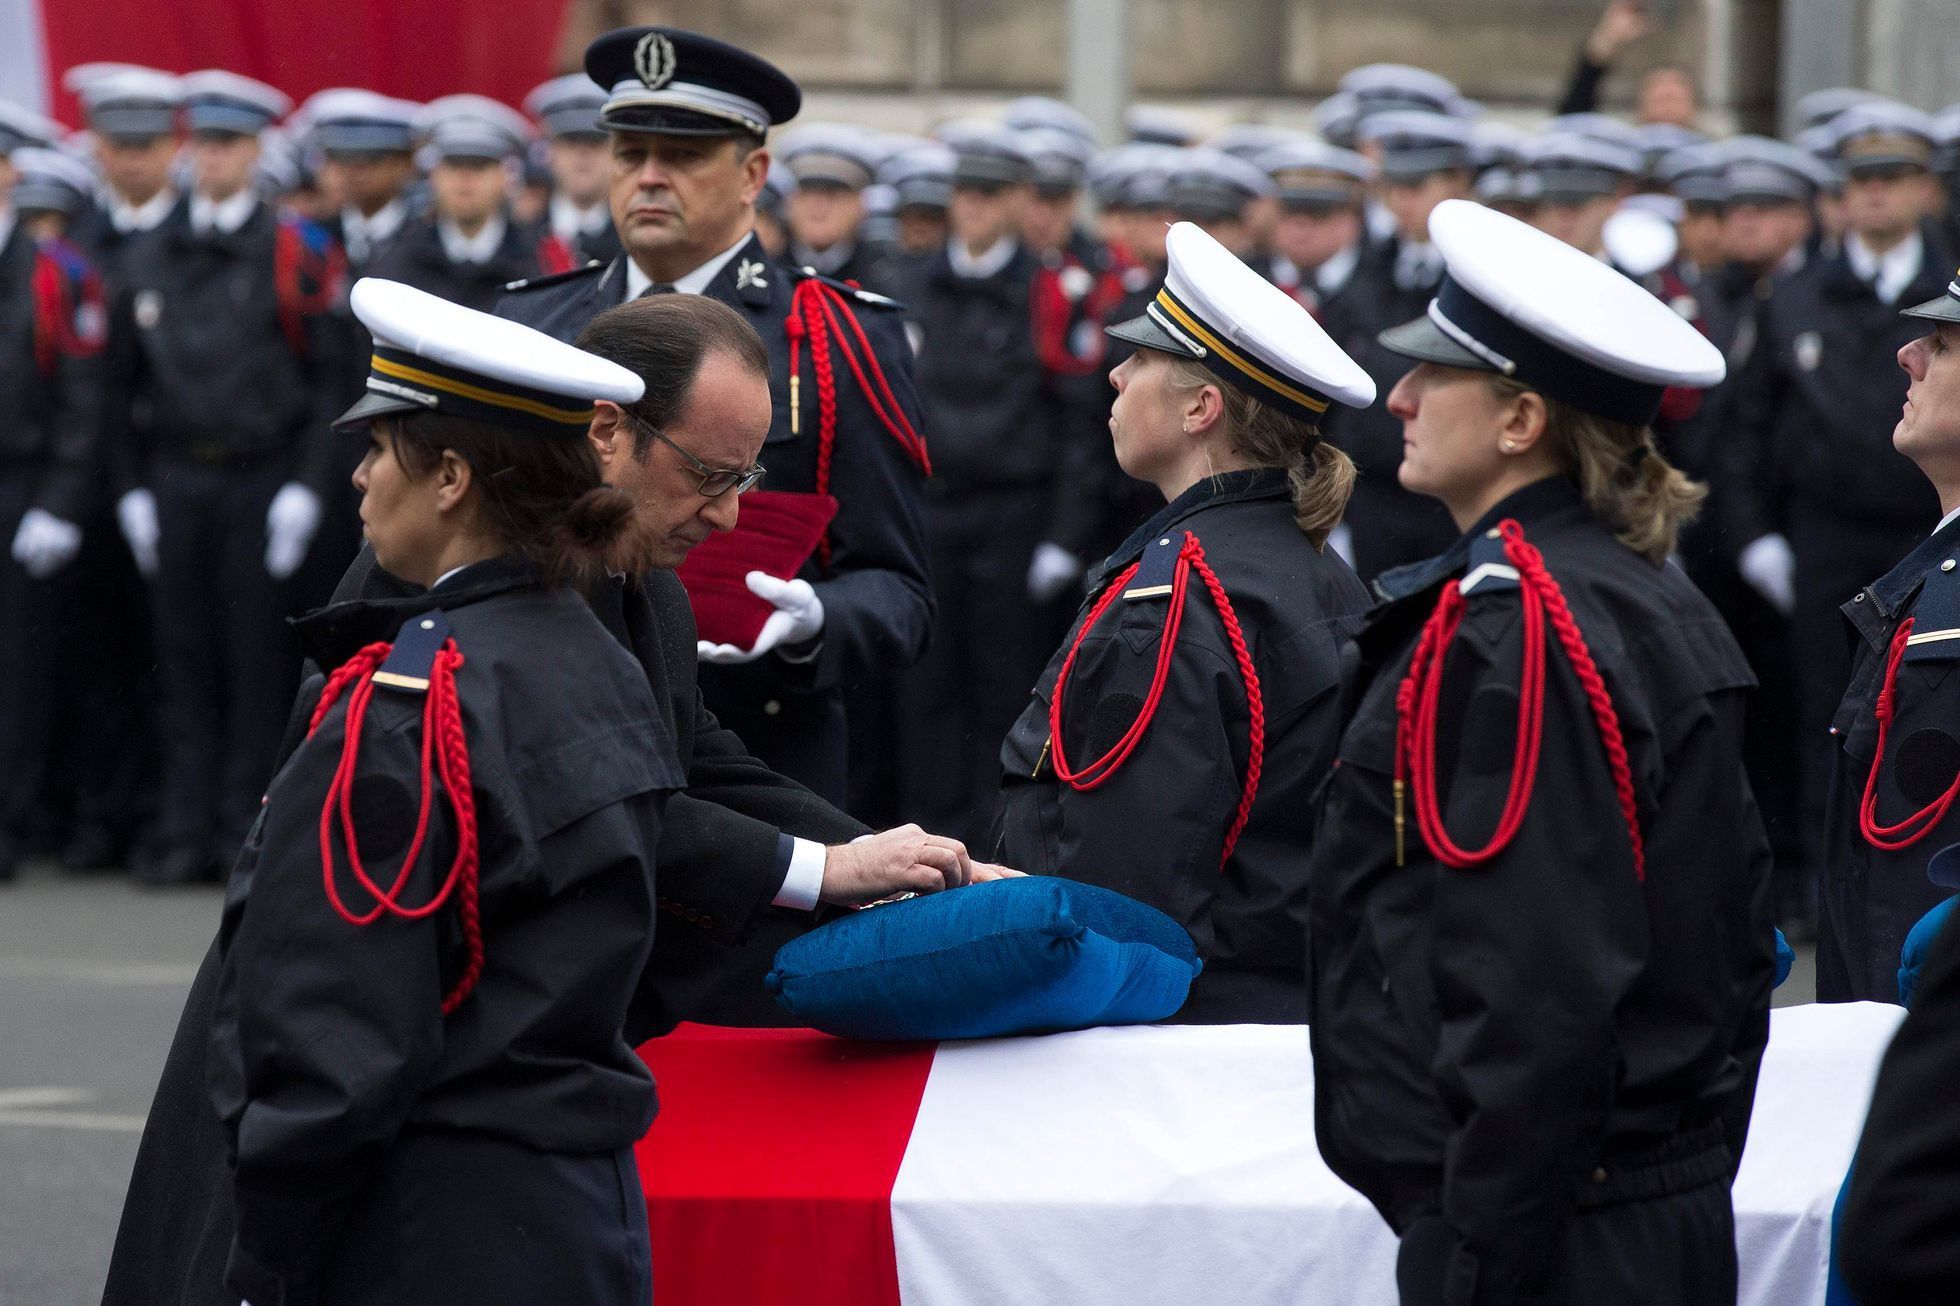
29 645
989 645
1677 1250
1835 560
467 1220
226 661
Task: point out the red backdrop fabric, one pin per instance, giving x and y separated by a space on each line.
416 49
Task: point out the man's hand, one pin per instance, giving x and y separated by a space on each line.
798 618
901 860
985 871
1623 23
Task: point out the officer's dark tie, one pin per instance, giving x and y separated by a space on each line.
658 288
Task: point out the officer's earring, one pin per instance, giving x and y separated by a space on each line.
1509 446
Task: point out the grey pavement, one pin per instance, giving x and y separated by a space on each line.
93 973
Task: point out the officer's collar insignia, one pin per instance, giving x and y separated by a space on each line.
752 273
1936 615
1488 571
653 60
412 660
1156 570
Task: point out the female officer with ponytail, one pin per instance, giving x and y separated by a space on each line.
1172 744
1540 950
432 935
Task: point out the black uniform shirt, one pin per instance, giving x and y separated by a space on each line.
51 367
1873 897
329 1039
417 257
1494 1046
1156 830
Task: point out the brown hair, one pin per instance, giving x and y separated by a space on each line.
1625 481
663 339
540 495
1322 476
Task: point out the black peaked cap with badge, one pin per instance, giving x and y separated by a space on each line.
676 83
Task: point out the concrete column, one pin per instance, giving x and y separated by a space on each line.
1099 75
1820 48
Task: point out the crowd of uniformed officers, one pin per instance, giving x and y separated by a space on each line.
1548 480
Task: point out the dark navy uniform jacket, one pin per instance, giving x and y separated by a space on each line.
877 595
416 258
329 1043
1500 1045
201 360
1815 406
1872 897
1155 831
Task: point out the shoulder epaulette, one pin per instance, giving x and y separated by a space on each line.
1488 570
69 257
553 279
311 234
858 293
411 662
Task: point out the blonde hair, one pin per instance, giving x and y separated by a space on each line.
1321 475
1622 475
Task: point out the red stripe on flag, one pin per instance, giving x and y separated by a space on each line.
768 1173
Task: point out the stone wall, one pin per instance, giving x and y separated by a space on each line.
1219 57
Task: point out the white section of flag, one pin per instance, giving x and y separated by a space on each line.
1178 1164
24 55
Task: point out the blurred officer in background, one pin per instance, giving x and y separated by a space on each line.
579 159
225 334
832 165
469 246
52 329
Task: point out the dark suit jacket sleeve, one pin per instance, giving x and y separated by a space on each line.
1743 467
1897 1243
878 598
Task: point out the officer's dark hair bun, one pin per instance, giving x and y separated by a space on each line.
543 496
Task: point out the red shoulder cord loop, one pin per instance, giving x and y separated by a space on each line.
1906 833
1421 690
814 314
1190 557
291 262
50 312
444 742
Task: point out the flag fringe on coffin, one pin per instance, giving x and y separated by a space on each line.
1150 1164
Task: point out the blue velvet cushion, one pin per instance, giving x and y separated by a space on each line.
1919 942
1786 957
1006 957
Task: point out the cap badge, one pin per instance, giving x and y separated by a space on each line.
653 60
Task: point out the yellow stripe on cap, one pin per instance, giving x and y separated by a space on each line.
496 398
1237 360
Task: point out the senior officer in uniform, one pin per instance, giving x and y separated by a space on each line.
1188 784
1540 944
739 847
226 343
688 116
1896 735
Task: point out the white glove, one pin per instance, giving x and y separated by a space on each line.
136 513
289 526
1770 568
798 617
1052 570
1341 541
45 544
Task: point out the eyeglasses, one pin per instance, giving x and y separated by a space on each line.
714 481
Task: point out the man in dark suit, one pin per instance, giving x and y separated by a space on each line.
688 117
728 860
